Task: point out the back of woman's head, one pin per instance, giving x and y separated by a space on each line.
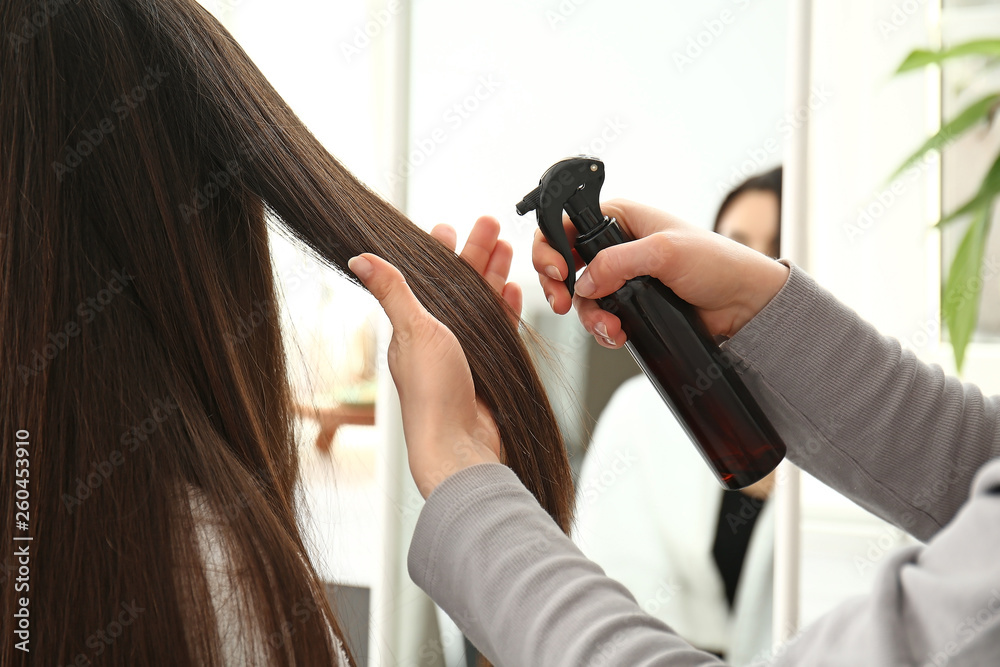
141 149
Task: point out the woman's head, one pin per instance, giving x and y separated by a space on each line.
751 213
141 152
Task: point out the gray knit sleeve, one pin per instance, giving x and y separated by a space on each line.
485 551
871 420
894 434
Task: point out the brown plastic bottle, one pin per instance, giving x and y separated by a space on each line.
665 335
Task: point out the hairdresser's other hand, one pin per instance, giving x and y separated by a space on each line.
445 426
488 255
727 282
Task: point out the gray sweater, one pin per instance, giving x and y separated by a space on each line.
893 434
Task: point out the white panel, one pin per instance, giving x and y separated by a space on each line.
870 241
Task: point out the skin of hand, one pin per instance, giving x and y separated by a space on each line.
445 427
488 255
725 281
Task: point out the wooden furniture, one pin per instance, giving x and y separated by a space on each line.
332 418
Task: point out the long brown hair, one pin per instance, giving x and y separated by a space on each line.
140 150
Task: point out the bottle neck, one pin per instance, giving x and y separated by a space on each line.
602 236
584 212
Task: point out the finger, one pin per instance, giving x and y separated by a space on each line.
549 261
482 240
514 298
447 235
551 268
388 285
639 220
612 266
556 294
602 325
498 267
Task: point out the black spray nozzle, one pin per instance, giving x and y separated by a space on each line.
573 184
530 201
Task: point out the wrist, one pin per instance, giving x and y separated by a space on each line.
765 285
461 453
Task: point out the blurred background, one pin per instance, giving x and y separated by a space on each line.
452 110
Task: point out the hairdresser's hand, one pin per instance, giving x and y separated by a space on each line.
727 282
445 426
488 255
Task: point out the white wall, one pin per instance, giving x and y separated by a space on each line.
600 77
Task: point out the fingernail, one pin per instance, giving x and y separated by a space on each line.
585 286
553 272
552 301
602 331
360 266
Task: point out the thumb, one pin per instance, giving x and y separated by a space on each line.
612 266
388 285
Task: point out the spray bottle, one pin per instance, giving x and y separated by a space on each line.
666 336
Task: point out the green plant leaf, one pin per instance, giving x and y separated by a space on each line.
968 117
988 190
960 295
979 47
